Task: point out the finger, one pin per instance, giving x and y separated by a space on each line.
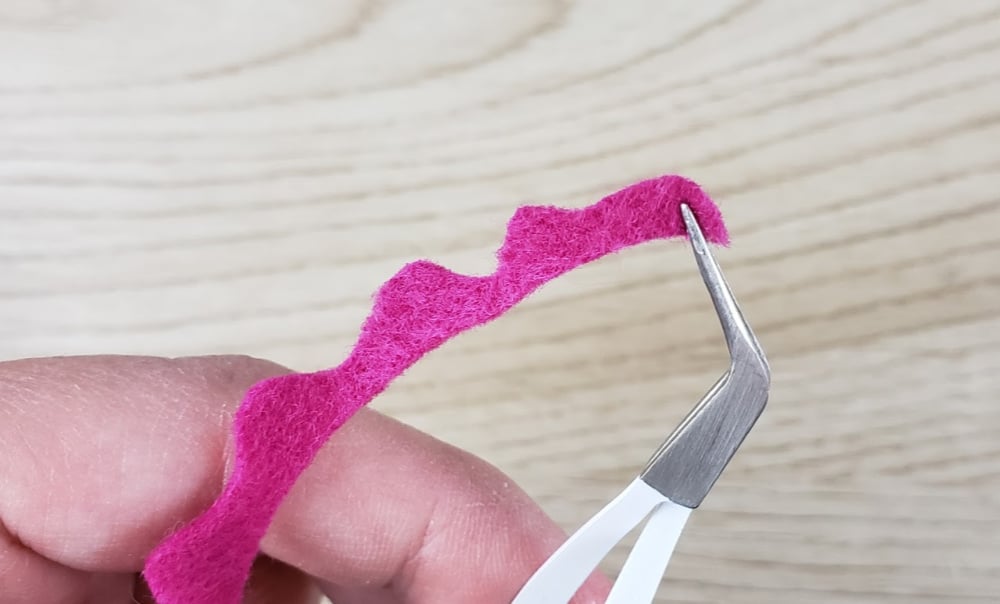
70 430
28 578
104 454
386 506
111 453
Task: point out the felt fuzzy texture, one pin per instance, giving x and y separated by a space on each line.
284 421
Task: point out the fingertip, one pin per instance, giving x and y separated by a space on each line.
142 440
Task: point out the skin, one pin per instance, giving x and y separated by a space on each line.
102 456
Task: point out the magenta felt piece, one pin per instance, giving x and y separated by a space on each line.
283 421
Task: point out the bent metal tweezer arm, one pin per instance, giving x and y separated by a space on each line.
680 473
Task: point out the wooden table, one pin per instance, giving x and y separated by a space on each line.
192 177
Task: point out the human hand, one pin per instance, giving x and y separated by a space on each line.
101 457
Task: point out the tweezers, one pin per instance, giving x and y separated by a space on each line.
678 476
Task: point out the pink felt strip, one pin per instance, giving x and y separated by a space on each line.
283 421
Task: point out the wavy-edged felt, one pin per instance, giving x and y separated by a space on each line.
284 421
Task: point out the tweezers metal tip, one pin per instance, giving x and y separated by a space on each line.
739 336
693 228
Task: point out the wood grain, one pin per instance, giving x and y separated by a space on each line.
196 177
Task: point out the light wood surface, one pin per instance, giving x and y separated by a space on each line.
199 177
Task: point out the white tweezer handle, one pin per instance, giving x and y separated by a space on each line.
642 573
563 573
